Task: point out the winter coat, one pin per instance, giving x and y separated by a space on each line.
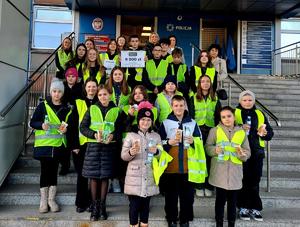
101 160
225 174
256 150
139 179
37 121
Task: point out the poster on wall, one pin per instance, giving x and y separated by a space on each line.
256 46
101 41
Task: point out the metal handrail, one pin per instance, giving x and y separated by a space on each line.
285 47
31 81
265 109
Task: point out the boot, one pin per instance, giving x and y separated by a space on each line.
94 211
103 214
44 203
51 199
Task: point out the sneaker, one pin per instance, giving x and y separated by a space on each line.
256 215
244 214
200 192
207 192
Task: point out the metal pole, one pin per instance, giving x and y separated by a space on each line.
229 94
297 66
193 53
268 164
45 81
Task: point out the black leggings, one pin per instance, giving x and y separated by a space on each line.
223 195
49 167
138 206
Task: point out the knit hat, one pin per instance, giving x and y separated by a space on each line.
245 93
72 71
57 84
170 78
144 110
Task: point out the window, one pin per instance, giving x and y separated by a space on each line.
49 23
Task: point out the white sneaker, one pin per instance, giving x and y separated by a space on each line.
207 193
200 192
256 215
244 214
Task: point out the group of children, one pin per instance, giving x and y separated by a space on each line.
162 131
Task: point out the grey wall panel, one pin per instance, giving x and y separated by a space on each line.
14 36
23 6
10 147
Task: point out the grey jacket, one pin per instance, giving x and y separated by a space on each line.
225 174
139 179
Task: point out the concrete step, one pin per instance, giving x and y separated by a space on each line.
20 216
284 141
281 151
266 102
281 179
30 195
280 90
276 96
286 131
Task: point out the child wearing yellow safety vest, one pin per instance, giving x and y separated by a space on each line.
62 56
258 130
101 124
182 140
140 149
50 121
228 146
118 87
204 108
203 66
83 194
163 100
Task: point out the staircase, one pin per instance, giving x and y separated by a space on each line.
19 197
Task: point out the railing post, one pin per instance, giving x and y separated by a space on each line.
229 93
268 165
193 54
297 66
45 81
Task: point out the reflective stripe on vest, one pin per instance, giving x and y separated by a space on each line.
164 106
157 75
229 147
196 162
104 56
52 136
64 58
97 121
209 72
180 72
86 75
123 99
260 119
81 109
204 111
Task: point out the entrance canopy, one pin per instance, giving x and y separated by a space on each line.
239 8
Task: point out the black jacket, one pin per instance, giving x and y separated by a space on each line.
253 138
101 159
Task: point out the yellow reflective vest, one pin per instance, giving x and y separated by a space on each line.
63 58
197 171
180 73
51 137
123 99
160 164
86 75
205 111
157 75
164 106
98 122
81 109
104 56
209 72
260 119
229 147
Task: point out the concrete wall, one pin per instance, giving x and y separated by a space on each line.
14 36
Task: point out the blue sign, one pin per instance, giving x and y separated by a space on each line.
186 29
256 45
